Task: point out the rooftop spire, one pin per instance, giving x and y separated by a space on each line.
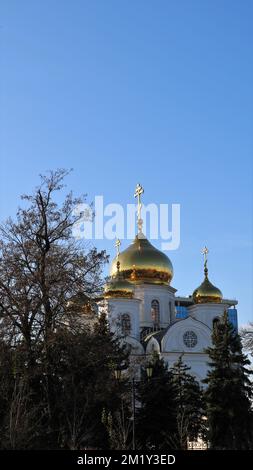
138 192
206 292
205 252
117 245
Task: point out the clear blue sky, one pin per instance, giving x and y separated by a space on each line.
124 91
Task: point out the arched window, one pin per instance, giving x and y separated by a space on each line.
126 324
215 322
155 312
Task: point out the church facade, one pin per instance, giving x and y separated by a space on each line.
142 307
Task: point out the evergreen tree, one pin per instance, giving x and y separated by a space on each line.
189 405
247 338
82 385
229 390
87 385
156 416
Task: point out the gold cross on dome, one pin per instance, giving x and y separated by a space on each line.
138 192
205 252
117 244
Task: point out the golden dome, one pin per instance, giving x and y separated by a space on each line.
141 261
207 292
118 287
80 302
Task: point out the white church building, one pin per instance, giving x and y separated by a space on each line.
142 306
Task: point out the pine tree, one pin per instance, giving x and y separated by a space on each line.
156 418
229 390
189 405
247 338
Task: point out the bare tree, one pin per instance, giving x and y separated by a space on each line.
119 428
42 266
23 418
50 336
78 428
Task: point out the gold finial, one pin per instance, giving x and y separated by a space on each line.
117 244
133 274
138 192
205 252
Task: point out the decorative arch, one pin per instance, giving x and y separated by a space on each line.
173 340
152 346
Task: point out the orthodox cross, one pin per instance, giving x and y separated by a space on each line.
138 192
117 244
205 252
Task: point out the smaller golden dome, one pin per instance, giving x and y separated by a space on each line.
118 287
207 292
79 303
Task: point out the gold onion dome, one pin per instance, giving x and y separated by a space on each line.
80 302
206 292
141 261
118 287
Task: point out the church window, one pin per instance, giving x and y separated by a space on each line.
155 312
126 324
190 339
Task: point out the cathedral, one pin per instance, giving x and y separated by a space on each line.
142 306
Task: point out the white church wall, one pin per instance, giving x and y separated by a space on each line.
206 313
166 298
175 341
173 346
115 308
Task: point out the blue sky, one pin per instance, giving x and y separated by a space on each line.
124 91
